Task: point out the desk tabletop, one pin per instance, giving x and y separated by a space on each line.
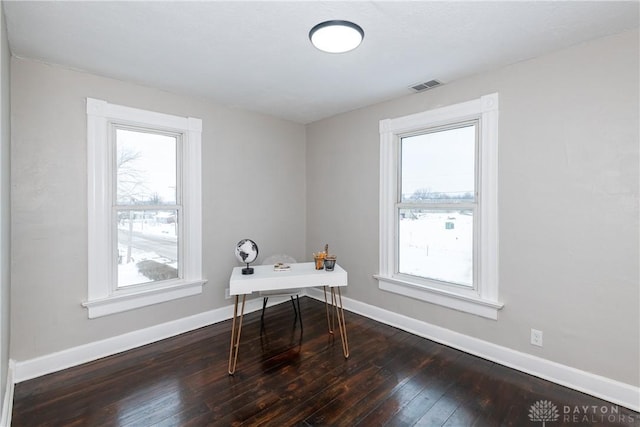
301 275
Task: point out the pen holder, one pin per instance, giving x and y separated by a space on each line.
329 262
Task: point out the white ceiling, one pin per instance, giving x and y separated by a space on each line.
257 55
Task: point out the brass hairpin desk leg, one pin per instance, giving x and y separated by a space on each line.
330 316
235 335
336 302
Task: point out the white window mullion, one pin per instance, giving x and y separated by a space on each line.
192 190
99 200
388 189
488 262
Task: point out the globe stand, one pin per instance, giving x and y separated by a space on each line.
246 253
247 270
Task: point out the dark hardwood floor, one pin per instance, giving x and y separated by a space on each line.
286 377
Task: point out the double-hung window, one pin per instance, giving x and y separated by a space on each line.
144 210
438 206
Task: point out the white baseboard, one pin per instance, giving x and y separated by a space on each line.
604 388
33 368
7 403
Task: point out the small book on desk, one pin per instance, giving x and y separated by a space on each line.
281 267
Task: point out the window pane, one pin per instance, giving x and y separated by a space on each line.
147 246
146 168
436 244
439 166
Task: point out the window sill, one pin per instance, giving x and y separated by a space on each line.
473 305
129 301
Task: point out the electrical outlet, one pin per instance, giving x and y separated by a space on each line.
536 337
226 294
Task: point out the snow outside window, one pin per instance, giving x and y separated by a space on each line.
144 207
438 206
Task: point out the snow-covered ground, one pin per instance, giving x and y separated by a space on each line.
128 273
437 245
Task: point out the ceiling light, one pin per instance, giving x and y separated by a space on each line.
336 36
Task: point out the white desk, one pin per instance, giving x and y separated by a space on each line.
301 275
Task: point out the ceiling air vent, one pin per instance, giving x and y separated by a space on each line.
426 85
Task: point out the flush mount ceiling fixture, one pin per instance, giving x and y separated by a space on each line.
336 36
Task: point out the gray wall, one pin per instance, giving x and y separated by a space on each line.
5 204
568 210
253 186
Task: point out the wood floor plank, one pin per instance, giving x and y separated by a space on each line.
293 376
402 373
366 392
311 389
466 384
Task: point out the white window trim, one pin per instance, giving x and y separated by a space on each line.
483 300
103 299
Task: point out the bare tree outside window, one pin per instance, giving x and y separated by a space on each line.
131 181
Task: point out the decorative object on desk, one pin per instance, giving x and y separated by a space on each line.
247 252
329 262
319 258
281 267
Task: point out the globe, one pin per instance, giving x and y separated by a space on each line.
246 252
